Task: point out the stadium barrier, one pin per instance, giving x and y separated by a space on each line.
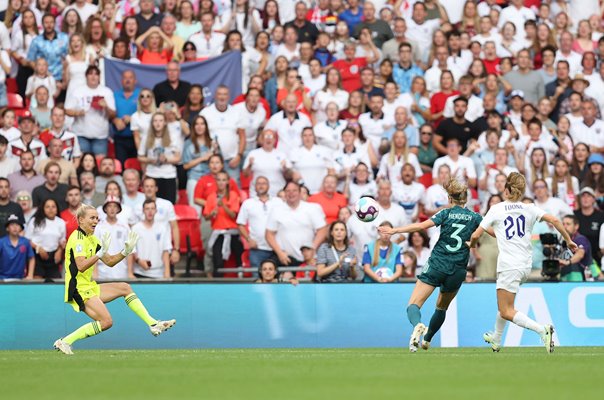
312 316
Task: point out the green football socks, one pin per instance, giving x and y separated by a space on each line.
84 331
139 309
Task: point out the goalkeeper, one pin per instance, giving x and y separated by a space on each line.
82 253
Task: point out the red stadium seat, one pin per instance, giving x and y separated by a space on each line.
190 234
11 85
245 182
110 148
182 198
133 163
15 101
426 180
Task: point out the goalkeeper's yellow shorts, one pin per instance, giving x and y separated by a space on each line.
91 290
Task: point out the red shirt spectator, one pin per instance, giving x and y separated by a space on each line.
222 220
330 201
437 104
71 222
207 185
350 68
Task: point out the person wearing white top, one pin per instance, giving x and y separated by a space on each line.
292 224
332 92
462 167
408 193
252 220
512 223
288 124
421 30
92 106
329 132
566 53
208 42
398 155
290 48
252 117
311 162
375 122
118 232
267 162
590 130
222 124
152 253
517 14
140 121
361 185
84 9
315 81
390 211
441 63
475 108
551 205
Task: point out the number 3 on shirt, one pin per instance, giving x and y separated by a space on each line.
519 223
455 235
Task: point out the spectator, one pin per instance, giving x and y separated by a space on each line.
221 209
293 85
126 103
407 192
268 162
117 231
374 123
329 199
252 219
559 90
368 87
222 123
380 30
353 15
165 214
20 45
382 260
290 48
8 129
288 124
208 42
196 154
350 67
268 272
140 122
252 117
293 224
68 171
389 211
402 123
474 109
426 154
133 197
188 24
74 201
573 269
147 17
391 48
462 166
332 92
589 131
405 70
90 196
329 132
564 185
27 141
336 259
23 198
16 255
47 234
152 256
26 178
418 244
51 189
304 29
168 27
8 165
525 79
51 46
591 219
8 207
456 127
565 52
194 104
155 47
107 174
420 30
92 107
246 19
311 162
397 154
70 145
41 111
77 61
173 88
550 205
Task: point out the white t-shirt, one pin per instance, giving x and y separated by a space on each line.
290 134
324 97
492 174
153 243
312 165
85 12
475 108
374 129
165 212
125 217
555 207
517 16
590 135
269 165
49 235
254 213
408 197
208 47
295 227
94 124
361 233
461 169
513 224
223 129
330 136
251 122
434 198
288 54
163 170
119 234
141 122
359 190
422 34
393 171
11 133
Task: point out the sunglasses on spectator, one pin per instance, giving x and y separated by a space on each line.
145 96
23 198
426 132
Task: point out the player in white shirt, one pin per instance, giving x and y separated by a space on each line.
512 222
118 233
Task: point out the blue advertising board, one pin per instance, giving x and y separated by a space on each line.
306 316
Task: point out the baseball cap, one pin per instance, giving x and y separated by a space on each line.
13 219
112 199
517 93
587 190
595 158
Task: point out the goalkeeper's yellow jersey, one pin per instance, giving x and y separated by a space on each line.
79 245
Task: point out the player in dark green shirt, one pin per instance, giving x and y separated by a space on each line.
446 267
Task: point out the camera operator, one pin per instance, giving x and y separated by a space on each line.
573 269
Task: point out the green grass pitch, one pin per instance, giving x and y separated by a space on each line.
317 374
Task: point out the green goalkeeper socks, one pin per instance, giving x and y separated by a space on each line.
139 309
84 331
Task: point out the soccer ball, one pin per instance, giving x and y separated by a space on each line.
366 209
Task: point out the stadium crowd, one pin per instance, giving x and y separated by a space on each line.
341 99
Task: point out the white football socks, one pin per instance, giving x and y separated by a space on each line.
499 327
524 321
